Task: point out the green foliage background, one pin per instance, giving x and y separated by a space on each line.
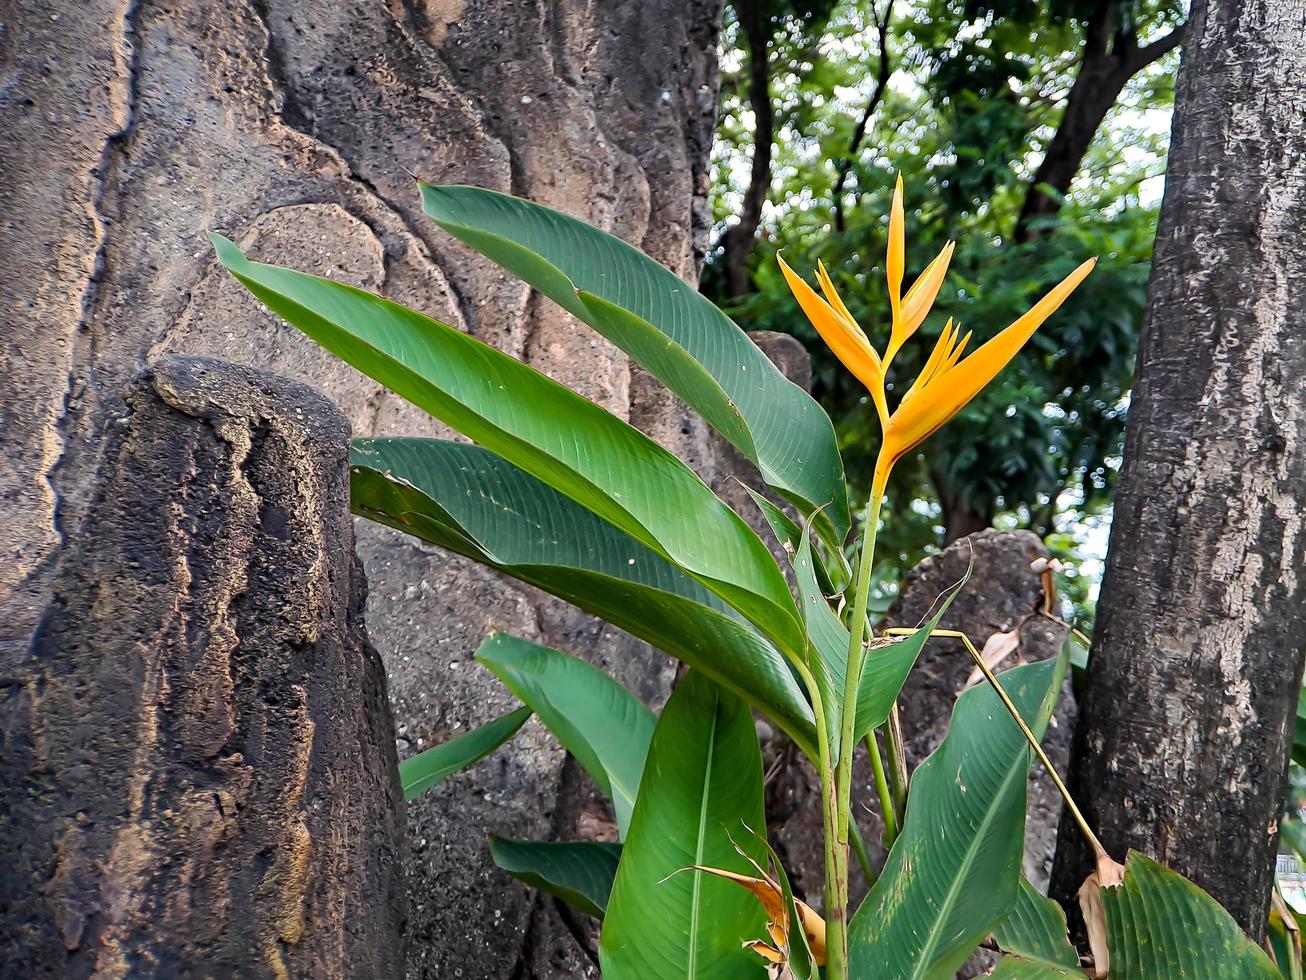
976 93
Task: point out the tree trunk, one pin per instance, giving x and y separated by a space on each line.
1187 718
133 129
738 241
1111 57
198 775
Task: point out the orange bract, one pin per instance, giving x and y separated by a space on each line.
946 383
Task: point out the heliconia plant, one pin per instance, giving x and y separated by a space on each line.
557 492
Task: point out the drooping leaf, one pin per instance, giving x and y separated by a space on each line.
569 443
954 872
1035 929
578 872
599 722
1159 924
426 769
703 779
473 502
670 328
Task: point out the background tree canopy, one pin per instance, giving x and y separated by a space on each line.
1034 134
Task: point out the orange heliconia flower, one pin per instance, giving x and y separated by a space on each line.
947 382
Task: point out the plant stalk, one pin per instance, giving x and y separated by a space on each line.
836 925
888 810
837 945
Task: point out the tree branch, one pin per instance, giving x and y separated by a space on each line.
1111 57
859 134
738 241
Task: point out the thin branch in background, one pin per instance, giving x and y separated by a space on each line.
737 243
873 103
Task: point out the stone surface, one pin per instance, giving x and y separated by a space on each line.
198 766
133 129
1002 596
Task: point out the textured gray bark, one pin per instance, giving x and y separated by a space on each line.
1185 726
132 129
198 768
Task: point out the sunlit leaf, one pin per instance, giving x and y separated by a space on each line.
703 779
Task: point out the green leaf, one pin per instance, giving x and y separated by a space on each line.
1035 929
670 328
1020 968
1159 924
578 872
954 873
886 667
602 724
422 771
703 781
473 502
569 443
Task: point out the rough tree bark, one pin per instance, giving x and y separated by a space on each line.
1184 730
133 128
198 767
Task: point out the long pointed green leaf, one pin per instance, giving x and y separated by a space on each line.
548 430
473 502
602 724
1159 924
1035 929
954 873
886 667
702 781
578 872
427 769
675 332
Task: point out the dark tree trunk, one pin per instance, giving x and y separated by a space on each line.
1187 718
198 773
1111 57
959 517
738 241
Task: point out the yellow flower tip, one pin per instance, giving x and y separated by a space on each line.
919 300
895 254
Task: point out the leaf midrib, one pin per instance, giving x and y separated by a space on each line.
704 797
954 891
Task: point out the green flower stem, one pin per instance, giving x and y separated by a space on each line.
887 808
836 924
837 945
863 855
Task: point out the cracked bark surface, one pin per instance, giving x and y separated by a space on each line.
135 128
199 734
1187 719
